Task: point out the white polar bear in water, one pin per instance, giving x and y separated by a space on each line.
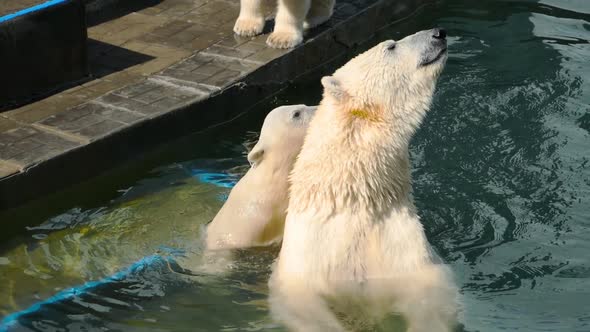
354 250
293 16
254 213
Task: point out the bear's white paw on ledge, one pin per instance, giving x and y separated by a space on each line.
249 26
284 39
291 19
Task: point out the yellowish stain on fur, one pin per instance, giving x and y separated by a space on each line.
364 114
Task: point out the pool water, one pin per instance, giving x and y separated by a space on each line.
501 176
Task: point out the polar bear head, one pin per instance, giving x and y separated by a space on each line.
393 81
356 150
282 134
254 213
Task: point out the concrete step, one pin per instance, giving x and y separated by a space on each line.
42 48
161 73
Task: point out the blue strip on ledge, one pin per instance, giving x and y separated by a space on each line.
30 10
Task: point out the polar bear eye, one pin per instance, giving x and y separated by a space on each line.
296 115
391 47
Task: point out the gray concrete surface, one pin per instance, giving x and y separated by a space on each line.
159 73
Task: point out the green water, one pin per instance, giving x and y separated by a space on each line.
501 179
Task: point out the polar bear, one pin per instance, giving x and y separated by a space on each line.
254 213
293 16
354 249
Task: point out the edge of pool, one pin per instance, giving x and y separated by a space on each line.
72 160
29 10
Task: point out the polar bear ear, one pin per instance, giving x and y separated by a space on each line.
333 87
255 156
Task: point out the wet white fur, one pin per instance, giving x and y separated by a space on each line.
254 213
352 237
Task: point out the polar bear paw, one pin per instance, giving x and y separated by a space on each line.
248 27
284 39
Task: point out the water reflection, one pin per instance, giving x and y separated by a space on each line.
81 245
501 175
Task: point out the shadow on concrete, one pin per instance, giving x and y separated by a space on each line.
100 11
105 59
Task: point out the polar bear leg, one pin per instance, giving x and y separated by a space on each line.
427 321
430 308
288 31
250 22
319 12
302 310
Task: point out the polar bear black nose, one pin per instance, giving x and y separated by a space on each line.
439 33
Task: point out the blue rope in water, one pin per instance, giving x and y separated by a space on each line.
69 293
223 180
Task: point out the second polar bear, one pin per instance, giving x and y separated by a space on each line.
254 213
292 17
354 250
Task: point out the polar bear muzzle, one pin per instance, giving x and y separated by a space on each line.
436 46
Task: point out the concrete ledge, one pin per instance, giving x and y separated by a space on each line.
210 87
42 47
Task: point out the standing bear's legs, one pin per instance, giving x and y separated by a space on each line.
300 309
250 22
319 12
288 31
430 304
